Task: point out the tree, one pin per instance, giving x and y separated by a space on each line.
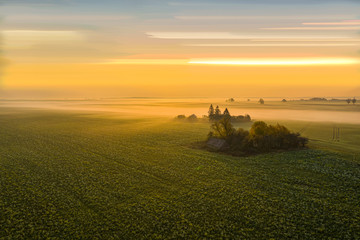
217 111
226 112
353 100
192 117
223 128
259 128
211 111
261 101
348 100
284 100
180 117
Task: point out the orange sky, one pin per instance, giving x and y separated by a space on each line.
98 80
180 50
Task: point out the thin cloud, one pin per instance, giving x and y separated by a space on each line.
147 61
229 35
312 28
275 45
66 17
343 23
238 61
238 2
307 40
252 17
17 39
277 62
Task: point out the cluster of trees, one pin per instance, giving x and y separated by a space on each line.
259 139
349 100
216 115
317 99
190 118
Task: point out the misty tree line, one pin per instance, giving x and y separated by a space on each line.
216 115
349 100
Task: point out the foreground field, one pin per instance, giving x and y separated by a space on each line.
80 175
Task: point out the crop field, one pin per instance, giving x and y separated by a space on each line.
81 175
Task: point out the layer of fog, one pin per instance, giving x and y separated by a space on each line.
174 107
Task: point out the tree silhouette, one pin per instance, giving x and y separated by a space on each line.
348 100
284 100
211 111
261 101
217 111
226 112
223 128
353 100
192 117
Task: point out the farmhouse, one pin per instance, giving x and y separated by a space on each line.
217 144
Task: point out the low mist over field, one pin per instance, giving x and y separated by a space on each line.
273 109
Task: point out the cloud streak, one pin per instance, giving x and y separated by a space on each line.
312 28
262 17
17 39
229 35
277 62
66 17
275 45
239 61
343 23
308 40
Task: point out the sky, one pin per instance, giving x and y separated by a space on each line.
198 48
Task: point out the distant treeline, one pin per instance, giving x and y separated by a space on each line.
260 138
216 115
318 99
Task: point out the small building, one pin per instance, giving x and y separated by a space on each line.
217 144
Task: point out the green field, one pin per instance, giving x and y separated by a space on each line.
72 175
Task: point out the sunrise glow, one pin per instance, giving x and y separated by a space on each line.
56 48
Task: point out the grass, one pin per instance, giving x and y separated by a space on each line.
80 175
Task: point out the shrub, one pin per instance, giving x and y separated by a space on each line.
260 138
180 117
192 117
223 128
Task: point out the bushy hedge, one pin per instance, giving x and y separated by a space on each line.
259 139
